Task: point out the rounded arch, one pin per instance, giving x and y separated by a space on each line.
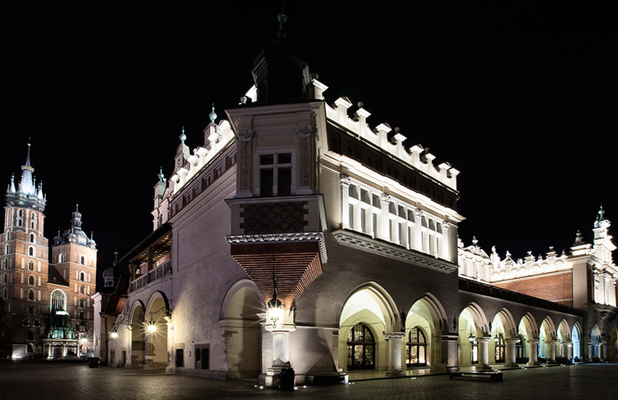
425 323
475 316
157 303
369 311
231 302
430 308
136 312
371 295
473 325
504 321
528 327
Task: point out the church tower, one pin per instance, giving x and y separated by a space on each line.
74 262
23 265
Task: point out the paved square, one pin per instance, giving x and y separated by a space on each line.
76 381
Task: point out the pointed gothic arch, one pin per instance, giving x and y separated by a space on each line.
369 312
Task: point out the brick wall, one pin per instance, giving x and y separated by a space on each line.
557 287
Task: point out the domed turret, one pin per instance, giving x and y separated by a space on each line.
279 71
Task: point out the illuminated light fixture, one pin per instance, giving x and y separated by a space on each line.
152 327
114 334
274 306
471 338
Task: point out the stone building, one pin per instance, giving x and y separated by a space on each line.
46 291
298 236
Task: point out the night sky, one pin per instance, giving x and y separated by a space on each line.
521 99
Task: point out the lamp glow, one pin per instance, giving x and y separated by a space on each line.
152 328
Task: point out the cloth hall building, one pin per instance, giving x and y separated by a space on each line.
298 236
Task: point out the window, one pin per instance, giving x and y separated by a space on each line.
60 257
202 356
416 348
82 260
82 277
31 295
58 301
31 266
32 238
31 280
275 174
82 289
31 251
361 348
500 347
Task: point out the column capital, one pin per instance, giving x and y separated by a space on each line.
345 180
394 335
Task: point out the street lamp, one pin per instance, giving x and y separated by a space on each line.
152 327
274 306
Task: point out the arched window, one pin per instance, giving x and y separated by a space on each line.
31 266
31 280
32 238
6 248
31 295
500 347
82 260
58 301
60 257
31 251
416 348
5 293
361 348
82 276
81 302
82 289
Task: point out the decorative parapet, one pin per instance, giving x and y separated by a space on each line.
217 138
414 156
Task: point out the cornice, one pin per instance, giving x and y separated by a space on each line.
358 242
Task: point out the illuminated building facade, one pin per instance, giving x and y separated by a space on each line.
46 301
297 236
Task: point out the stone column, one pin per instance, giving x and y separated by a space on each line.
483 363
394 345
450 352
511 353
533 352
551 351
569 349
590 350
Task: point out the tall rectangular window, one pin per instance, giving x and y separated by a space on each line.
275 174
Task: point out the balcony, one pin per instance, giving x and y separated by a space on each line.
152 275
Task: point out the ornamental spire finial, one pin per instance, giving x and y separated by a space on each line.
212 115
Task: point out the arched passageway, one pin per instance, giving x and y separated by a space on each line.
137 331
370 336
474 337
156 332
240 314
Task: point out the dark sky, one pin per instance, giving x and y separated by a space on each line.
521 99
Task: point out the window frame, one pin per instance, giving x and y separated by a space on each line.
276 166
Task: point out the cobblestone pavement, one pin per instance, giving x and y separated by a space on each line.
44 381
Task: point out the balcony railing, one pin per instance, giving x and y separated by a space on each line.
152 275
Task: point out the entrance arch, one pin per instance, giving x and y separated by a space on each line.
240 311
137 334
156 332
474 335
369 310
547 341
594 344
503 347
424 327
529 334
565 344
576 338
